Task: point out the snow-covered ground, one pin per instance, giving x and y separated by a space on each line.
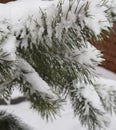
66 121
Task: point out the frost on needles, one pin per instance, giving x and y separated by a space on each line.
44 50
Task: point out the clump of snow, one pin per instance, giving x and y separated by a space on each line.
89 93
97 17
9 47
91 55
16 93
33 78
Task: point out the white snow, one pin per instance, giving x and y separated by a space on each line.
9 47
25 13
91 55
16 92
66 121
97 18
18 12
22 15
33 78
106 74
88 92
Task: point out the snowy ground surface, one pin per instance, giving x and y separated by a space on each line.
66 121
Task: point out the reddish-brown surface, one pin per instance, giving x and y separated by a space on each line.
5 1
108 47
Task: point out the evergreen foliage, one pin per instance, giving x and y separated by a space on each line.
50 56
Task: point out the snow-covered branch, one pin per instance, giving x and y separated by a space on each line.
44 46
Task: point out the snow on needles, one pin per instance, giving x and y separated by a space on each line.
91 55
59 28
28 14
33 19
17 13
33 78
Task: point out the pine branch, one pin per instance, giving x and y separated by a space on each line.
7 68
47 105
107 96
90 111
52 48
53 64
